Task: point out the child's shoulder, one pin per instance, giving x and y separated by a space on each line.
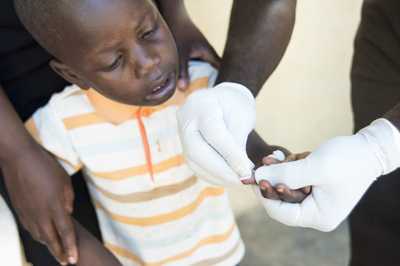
70 102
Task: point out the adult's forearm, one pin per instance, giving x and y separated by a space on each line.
259 33
14 139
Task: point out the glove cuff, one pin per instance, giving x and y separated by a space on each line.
238 87
385 140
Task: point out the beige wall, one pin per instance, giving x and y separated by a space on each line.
307 100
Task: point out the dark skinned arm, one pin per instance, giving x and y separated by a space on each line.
258 35
28 172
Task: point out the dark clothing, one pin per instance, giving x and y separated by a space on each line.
29 82
24 71
374 224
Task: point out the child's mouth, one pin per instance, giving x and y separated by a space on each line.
164 90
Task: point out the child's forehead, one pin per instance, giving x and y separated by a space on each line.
102 26
102 13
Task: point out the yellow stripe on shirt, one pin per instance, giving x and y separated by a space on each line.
215 261
215 239
77 121
167 217
162 166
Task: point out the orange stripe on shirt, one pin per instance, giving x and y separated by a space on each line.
175 161
215 239
167 217
83 120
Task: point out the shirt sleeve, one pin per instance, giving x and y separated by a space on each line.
48 130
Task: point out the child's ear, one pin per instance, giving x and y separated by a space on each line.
68 74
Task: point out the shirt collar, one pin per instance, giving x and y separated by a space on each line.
117 113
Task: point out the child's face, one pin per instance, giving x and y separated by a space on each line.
123 49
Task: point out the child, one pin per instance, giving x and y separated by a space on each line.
151 208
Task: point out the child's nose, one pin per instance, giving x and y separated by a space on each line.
146 62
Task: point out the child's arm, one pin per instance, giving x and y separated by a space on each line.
39 188
91 251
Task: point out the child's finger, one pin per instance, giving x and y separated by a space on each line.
289 195
268 191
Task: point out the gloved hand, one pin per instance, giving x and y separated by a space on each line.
339 171
214 125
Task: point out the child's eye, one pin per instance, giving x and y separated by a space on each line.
149 33
115 64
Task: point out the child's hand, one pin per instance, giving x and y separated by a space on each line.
281 191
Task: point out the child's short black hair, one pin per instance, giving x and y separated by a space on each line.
43 19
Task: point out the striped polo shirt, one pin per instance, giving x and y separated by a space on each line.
151 208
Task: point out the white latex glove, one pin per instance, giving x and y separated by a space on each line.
339 171
214 125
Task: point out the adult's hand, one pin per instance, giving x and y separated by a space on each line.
339 171
40 190
190 42
42 195
214 125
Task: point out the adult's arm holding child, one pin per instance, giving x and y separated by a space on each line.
259 33
40 190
